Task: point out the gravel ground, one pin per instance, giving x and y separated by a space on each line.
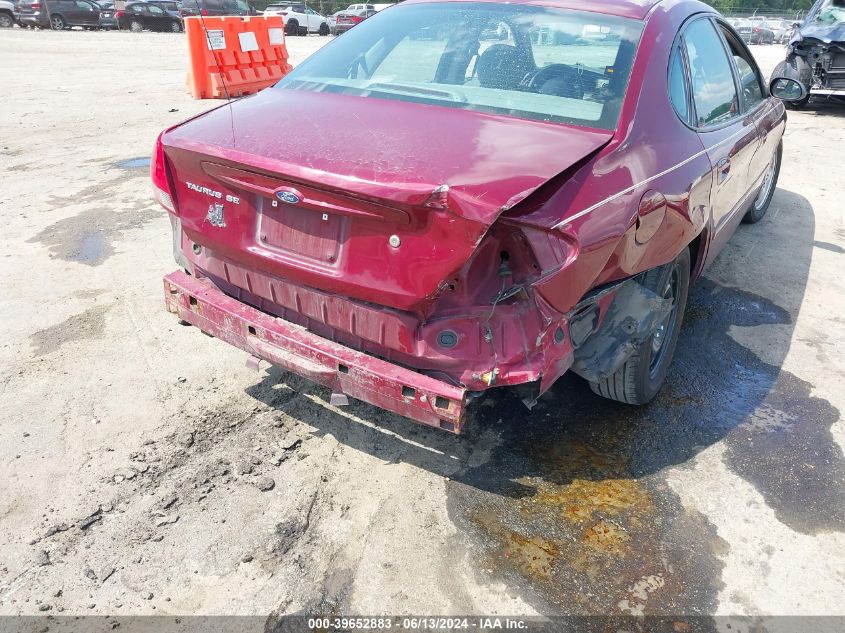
145 470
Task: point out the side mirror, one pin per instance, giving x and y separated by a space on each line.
787 89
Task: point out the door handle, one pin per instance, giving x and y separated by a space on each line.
724 168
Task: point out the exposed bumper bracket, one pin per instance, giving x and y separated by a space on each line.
345 371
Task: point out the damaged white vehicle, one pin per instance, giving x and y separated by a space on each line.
815 63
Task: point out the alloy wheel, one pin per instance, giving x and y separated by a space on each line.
666 329
768 182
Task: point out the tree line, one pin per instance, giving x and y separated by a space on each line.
773 6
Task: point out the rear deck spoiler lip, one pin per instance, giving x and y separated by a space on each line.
292 347
316 199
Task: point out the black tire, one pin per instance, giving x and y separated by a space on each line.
57 22
292 28
303 31
639 380
7 21
175 26
761 203
324 29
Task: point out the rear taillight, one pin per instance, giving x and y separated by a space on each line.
158 174
356 19
204 12
35 6
756 29
118 14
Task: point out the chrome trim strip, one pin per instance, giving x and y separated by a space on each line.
616 196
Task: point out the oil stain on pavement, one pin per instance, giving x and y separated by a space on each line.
85 326
88 238
574 509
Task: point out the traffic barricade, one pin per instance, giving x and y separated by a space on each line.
232 56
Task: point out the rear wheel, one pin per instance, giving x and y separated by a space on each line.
324 29
176 26
57 22
767 190
292 28
640 378
135 26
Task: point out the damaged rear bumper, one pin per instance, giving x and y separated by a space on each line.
293 348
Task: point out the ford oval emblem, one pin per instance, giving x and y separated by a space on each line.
287 197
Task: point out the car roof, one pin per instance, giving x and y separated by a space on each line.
636 9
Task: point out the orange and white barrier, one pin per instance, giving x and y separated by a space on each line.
232 56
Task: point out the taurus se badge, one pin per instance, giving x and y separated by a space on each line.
215 215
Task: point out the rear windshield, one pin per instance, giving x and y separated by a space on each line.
519 60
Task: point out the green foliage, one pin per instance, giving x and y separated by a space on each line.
764 6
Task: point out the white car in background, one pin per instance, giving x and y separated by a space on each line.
332 19
356 9
782 29
300 19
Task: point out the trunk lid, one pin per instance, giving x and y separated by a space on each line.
375 199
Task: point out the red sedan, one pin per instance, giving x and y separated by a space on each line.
477 195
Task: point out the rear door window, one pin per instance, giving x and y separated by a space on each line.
750 80
713 87
678 85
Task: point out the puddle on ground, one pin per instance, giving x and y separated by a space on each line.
573 508
133 163
85 326
786 451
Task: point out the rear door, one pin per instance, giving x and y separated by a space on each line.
86 13
68 10
755 104
137 13
728 133
157 20
314 20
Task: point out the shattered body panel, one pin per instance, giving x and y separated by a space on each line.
479 250
816 56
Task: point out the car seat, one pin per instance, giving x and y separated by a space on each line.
502 66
